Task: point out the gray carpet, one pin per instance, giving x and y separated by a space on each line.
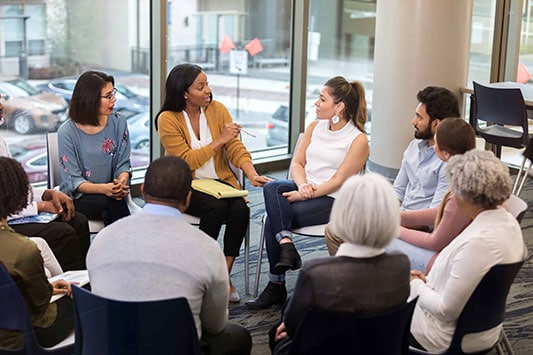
518 324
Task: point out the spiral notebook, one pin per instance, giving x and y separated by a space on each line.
217 189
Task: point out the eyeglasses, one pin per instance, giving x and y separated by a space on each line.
110 96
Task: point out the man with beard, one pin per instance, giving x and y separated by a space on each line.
421 181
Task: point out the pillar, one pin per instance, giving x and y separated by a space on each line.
418 43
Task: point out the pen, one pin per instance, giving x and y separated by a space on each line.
248 133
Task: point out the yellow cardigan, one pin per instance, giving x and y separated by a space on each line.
174 136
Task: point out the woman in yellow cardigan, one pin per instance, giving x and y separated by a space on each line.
194 127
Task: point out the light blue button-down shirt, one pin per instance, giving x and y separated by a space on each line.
421 182
161 210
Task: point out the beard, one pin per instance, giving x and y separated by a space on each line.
425 134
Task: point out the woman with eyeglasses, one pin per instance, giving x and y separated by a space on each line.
94 150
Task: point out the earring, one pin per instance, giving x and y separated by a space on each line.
186 97
335 119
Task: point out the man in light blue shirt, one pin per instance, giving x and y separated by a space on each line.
421 182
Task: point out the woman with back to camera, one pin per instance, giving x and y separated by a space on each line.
94 150
362 279
52 322
453 136
200 130
333 148
480 183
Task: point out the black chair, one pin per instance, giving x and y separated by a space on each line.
327 332
500 108
14 316
105 326
484 310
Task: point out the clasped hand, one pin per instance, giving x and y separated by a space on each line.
305 191
117 189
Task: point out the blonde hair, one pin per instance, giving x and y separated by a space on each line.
366 211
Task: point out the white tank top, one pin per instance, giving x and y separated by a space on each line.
206 171
327 151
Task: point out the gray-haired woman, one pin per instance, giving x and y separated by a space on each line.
481 183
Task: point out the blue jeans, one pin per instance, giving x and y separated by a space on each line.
418 256
282 216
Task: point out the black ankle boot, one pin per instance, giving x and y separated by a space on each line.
288 259
273 294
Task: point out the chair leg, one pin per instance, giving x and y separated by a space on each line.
247 262
259 257
524 178
507 344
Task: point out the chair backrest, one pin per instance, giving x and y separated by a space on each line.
54 174
326 332
15 316
485 308
105 326
517 207
504 106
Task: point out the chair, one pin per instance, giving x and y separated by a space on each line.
15 316
54 178
485 309
196 222
307 231
523 172
105 326
517 207
500 108
327 332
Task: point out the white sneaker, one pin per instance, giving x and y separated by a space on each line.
234 297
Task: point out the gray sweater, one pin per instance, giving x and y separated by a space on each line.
151 257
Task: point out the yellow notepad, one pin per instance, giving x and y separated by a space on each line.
217 189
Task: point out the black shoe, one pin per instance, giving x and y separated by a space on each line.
273 294
288 259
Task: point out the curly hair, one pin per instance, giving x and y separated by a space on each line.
440 102
480 178
14 187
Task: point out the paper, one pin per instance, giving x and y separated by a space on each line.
217 189
80 277
42 217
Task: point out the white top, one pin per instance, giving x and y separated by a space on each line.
494 237
155 255
327 151
206 171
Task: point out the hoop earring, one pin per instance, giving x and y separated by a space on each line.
335 119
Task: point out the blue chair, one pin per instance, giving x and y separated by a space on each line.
484 310
14 315
327 332
105 326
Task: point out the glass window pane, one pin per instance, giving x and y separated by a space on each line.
64 39
483 16
341 42
217 35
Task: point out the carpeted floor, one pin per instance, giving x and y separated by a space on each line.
518 324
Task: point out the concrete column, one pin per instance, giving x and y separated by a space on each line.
419 43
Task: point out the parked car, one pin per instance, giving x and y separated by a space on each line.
125 97
31 154
139 128
27 109
278 126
